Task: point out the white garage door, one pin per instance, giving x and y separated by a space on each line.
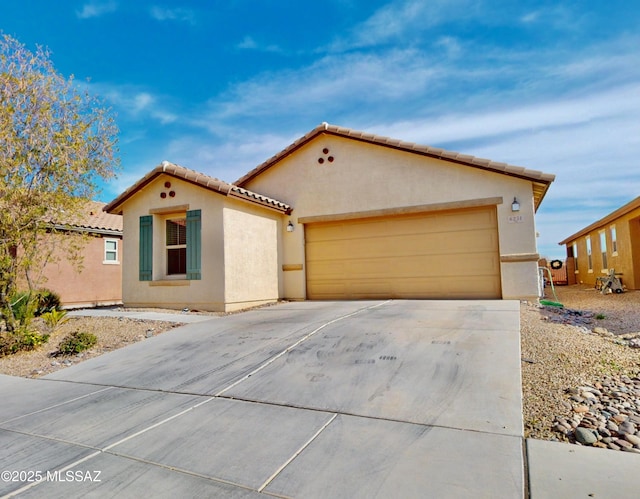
452 254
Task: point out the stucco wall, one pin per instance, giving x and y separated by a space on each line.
356 176
93 283
250 255
626 260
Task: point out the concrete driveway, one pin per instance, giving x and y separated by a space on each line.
310 399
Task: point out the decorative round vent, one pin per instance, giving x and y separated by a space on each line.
325 152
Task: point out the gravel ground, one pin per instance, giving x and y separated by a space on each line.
112 333
556 356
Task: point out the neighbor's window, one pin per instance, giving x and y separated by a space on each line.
575 255
176 234
110 251
614 241
603 249
589 259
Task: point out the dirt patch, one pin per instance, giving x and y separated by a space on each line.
619 313
112 333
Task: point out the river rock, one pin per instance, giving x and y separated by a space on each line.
586 436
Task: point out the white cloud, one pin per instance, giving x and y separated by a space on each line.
132 102
141 101
530 17
532 118
97 9
402 18
560 17
451 45
248 43
321 89
178 14
230 158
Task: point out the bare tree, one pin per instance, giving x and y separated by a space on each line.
57 141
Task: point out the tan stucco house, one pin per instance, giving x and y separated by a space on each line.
339 214
611 243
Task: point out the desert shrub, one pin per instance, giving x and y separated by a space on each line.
8 343
23 307
46 301
21 340
26 305
17 333
54 318
31 339
76 342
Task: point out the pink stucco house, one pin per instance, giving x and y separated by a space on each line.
98 280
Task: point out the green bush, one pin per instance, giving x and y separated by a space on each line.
76 342
21 340
23 307
54 319
27 305
32 339
19 334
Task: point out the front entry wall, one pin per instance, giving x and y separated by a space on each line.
436 255
365 178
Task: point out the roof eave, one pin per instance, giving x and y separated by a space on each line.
200 180
275 206
623 210
115 206
86 230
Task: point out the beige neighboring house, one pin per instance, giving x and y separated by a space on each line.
611 243
339 214
99 279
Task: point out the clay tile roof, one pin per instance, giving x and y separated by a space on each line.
244 193
92 218
541 181
194 177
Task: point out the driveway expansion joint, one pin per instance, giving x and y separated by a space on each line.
299 342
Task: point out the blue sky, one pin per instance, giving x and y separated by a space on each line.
221 86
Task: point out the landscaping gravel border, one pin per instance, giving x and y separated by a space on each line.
568 353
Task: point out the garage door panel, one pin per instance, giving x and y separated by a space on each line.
404 246
407 225
417 288
442 255
442 265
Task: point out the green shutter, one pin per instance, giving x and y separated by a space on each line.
146 248
194 243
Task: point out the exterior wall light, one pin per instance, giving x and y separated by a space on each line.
515 206
290 227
